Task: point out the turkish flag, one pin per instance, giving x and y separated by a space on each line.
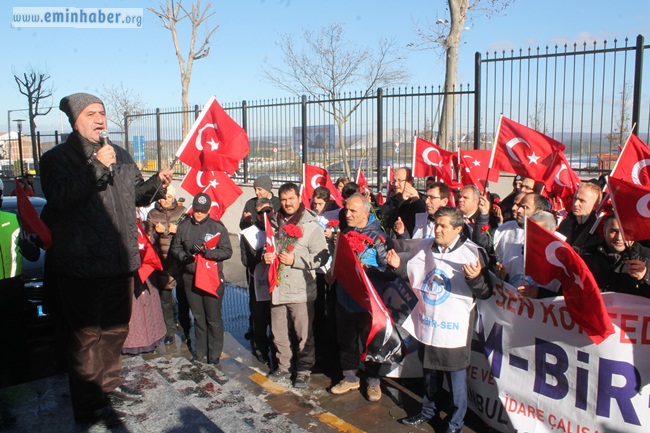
149 259
206 276
350 274
218 185
313 177
215 142
29 219
272 275
630 203
550 258
521 150
362 182
474 168
431 160
632 161
561 182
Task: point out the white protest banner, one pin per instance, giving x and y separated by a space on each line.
543 374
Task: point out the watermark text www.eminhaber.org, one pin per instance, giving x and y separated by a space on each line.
87 18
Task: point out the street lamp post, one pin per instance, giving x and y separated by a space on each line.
19 123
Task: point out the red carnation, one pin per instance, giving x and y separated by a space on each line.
381 239
333 223
292 230
485 228
291 248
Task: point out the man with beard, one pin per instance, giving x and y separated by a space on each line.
292 301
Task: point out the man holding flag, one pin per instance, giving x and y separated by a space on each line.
617 265
191 246
353 322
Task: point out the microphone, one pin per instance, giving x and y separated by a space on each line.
103 139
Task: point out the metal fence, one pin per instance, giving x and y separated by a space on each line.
585 96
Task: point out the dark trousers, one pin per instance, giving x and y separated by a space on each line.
208 323
183 308
167 304
352 330
97 312
14 314
433 386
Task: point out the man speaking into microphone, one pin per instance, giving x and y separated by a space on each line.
92 188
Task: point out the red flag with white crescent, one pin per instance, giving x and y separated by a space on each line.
561 182
474 167
223 191
550 258
431 160
149 259
350 274
634 162
206 276
215 142
314 177
521 150
631 204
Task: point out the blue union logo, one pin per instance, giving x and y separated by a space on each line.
436 287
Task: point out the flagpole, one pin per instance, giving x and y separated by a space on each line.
620 226
494 148
171 166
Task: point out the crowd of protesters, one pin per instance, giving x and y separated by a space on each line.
305 320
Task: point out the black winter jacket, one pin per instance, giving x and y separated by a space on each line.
192 233
91 213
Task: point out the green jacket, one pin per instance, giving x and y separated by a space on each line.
12 259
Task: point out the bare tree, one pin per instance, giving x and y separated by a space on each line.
445 35
173 12
537 120
327 65
121 101
621 118
34 85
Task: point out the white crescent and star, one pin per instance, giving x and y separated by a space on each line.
510 144
212 143
557 176
425 156
314 183
552 257
199 175
642 206
636 170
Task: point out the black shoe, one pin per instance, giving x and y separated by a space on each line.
125 393
248 334
169 341
109 416
415 420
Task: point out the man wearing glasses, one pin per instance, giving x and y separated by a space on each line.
404 205
437 196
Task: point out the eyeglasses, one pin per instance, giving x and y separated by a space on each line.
433 197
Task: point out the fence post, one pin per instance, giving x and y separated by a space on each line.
477 100
304 130
638 70
196 111
38 151
380 134
126 131
56 138
158 140
244 125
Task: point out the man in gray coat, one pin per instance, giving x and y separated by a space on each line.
293 298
